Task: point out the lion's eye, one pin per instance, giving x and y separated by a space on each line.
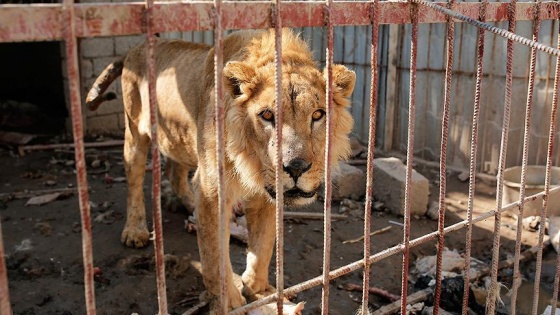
318 114
267 115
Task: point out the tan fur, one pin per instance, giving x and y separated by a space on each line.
186 135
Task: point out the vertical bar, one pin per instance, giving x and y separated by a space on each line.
5 305
524 161
474 147
551 140
443 156
328 157
78 133
279 165
374 16
156 164
220 154
409 153
494 289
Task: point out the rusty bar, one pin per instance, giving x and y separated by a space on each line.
527 134
223 218
19 22
278 97
551 140
443 156
494 289
156 163
371 150
544 208
5 305
384 254
78 135
109 143
409 154
328 158
511 36
472 166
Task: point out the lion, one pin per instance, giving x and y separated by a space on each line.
187 138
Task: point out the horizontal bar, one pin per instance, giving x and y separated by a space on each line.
34 22
341 271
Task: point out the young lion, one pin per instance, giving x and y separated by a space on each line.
186 135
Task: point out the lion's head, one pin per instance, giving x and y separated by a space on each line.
250 115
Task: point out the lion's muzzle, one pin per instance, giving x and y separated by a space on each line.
296 167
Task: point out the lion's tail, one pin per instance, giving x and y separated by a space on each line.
96 94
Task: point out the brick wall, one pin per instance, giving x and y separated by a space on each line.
95 55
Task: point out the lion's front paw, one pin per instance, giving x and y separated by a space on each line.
135 236
254 289
235 300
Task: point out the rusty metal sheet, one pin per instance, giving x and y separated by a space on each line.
42 21
28 23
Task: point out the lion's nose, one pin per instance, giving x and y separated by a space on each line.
296 167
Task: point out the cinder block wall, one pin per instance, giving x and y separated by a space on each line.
95 54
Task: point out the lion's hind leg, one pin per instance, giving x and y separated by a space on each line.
176 189
136 147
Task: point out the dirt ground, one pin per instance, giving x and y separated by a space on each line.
44 254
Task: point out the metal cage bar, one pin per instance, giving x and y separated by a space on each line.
328 158
78 135
278 98
5 306
223 217
494 288
548 190
409 155
156 162
473 152
443 157
526 136
371 151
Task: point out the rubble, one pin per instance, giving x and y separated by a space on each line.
389 187
347 182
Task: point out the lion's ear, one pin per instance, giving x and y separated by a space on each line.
343 80
238 78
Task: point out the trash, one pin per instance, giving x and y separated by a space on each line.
554 232
50 183
25 245
41 200
452 261
15 137
548 310
44 228
289 308
383 230
463 176
373 290
433 210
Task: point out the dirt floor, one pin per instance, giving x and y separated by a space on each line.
44 253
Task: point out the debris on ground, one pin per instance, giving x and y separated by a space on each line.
288 308
44 228
175 266
376 232
373 290
348 182
433 211
554 232
352 207
41 200
548 310
463 176
452 263
389 186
